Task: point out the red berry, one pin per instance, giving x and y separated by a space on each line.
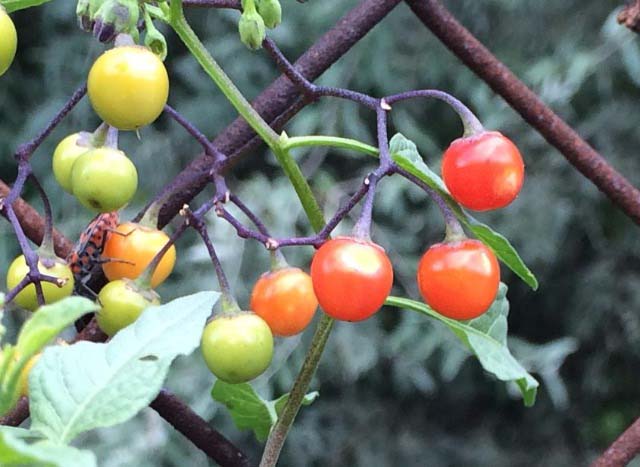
459 279
351 278
483 171
285 300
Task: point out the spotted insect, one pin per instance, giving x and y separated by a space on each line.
87 253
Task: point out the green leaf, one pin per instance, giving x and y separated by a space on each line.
248 410
15 5
281 401
20 447
486 338
44 325
405 154
89 385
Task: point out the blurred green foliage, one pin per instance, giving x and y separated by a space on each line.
397 389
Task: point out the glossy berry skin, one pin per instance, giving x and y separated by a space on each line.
129 250
459 279
237 348
8 41
27 297
128 87
104 179
285 300
65 155
121 303
484 171
351 278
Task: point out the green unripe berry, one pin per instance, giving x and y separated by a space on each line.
104 179
237 348
122 302
9 42
66 154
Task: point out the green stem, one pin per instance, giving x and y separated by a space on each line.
150 217
331 141
278 261
279 432
309 203
179 24
303 190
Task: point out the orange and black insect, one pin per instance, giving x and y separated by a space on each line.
87 253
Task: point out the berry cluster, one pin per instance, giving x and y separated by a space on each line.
350 277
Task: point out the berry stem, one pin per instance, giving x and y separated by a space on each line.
111 140
144 280
309 89
278 261
453 228
472 125
46 250
99 137
228 302
362 229
31 258
25 150
250 214
207 145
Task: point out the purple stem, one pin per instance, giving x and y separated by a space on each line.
354 96
195 219
222 191
151 267
241 230
286 68
383 137
208 146
22 155
452 224
471 123
47 238
25 150
308 88
111 140
11 294
270 243
250 214
30 256
362 229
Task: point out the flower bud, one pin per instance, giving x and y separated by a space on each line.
271 12
83 11
251 28
155 41
115 17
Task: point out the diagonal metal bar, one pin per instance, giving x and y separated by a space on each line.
556 131
623 449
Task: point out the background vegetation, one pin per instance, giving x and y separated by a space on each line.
395 390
